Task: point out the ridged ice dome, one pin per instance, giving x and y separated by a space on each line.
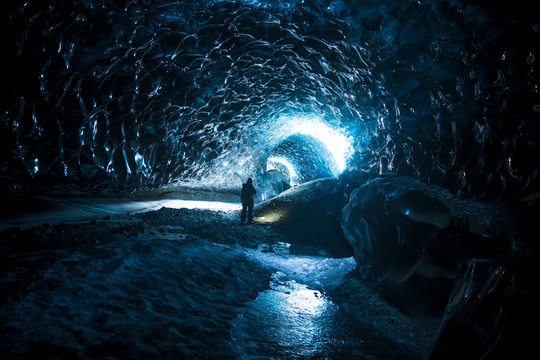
104 94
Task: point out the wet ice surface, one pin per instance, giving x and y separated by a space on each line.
292 320
179 283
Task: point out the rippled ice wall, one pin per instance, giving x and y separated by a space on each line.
104 93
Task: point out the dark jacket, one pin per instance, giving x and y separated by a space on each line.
247 193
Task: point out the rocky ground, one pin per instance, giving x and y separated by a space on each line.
71 251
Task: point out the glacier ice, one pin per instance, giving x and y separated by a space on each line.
103 96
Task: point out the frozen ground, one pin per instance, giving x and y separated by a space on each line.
31 211
189 283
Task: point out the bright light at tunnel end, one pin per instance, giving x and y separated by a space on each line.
293 177
197 204
337 143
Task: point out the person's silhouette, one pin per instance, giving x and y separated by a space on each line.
247 201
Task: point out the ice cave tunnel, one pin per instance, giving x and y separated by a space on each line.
393 145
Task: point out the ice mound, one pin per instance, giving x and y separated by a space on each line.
398 225
308 214
420 244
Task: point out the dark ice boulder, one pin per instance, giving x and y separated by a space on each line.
399 226
415 239
421 208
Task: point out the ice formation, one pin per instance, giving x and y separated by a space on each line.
395 125
103 94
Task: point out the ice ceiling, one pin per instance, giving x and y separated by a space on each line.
112 94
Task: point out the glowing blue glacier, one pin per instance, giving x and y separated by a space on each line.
202 92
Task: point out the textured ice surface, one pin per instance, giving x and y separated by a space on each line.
185 284
400 226
413 236
137 298
104 94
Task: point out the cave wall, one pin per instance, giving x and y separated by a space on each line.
103 95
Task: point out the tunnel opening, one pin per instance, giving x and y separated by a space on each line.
308 156
295 160
307 148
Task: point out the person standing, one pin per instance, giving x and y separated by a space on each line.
247 201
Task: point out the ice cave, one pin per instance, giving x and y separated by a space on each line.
393 147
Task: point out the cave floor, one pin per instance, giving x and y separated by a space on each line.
188 283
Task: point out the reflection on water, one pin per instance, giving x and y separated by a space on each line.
288 317
290 320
